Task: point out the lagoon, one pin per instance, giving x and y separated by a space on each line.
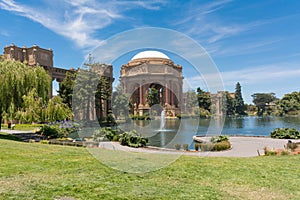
182 131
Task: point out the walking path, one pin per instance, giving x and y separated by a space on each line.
242 146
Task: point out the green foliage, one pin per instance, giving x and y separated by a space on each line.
289 104
106 132
91 90
219 146
285 133
66 87
196 146
185 147
239 106
31 172
230 104
219 138
56 110
133 139
32 107
262 102
292 146
51 132
17 80
285 153
153 96
177 146
204 100
120 103
269 152
59 129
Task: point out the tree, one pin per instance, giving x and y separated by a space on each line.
204 100
191 102
289 104
91 92
262 101
103 94
33 107
239 102
66 87
56 110
230 104
16 80
120 102
153 96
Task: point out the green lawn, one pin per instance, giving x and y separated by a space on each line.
40 171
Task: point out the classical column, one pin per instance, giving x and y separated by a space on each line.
172 94
141 94
167 95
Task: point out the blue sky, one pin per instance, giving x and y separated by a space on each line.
256 43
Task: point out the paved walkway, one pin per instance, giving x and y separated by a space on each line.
14 131
241 147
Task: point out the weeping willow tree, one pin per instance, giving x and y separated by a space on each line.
56 110
17 80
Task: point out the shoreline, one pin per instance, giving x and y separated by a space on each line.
240 147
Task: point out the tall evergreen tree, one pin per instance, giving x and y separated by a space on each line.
66 87
204 100
120 103
229 104
239 102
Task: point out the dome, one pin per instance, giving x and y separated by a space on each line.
150 54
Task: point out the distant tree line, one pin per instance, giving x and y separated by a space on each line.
201 102
268 104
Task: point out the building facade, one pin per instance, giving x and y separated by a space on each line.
151 70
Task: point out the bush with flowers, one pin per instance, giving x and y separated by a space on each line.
59 129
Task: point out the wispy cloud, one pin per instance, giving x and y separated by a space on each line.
253 75
77 20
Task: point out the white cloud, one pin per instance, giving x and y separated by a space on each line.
253 76
77 20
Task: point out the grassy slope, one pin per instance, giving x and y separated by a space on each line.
36 171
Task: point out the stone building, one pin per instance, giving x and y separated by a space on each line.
35 56
152 69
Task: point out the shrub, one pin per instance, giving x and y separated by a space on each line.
51 131
185 147
291 145
219 146
59 129
285 133
206 146
285 153
269 152
177 146
106 132
133 139
219 138
197 145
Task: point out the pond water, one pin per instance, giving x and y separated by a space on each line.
181 131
